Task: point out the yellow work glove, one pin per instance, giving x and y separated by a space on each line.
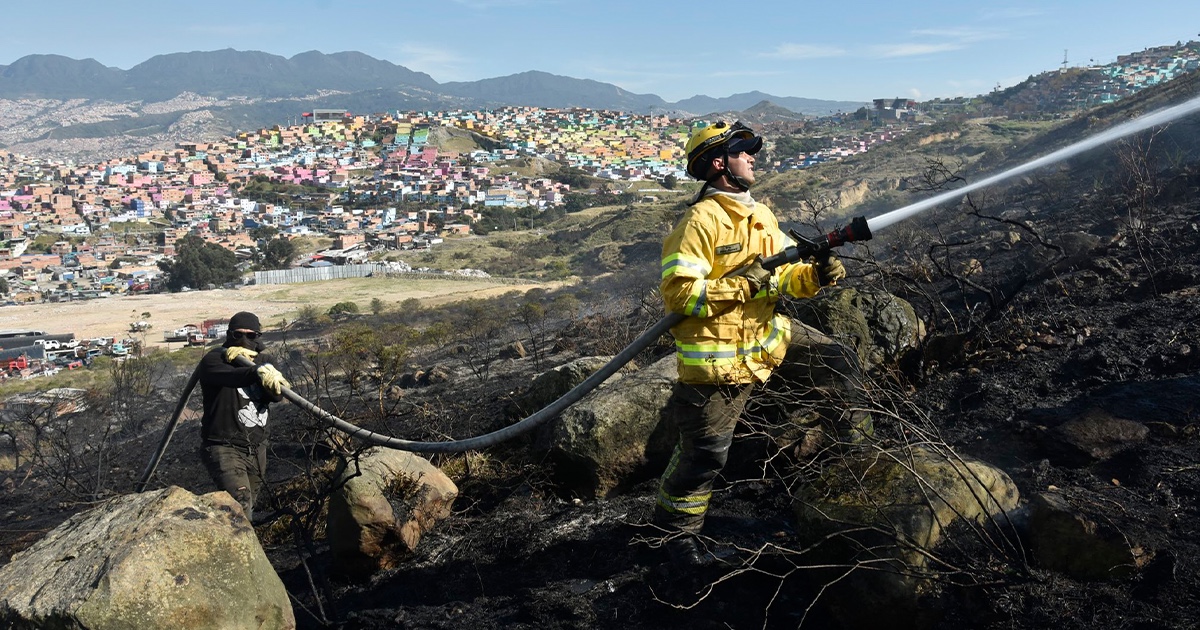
233 352
829 270
272 380
756 276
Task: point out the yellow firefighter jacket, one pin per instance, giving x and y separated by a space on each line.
729 336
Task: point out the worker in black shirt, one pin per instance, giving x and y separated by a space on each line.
234 425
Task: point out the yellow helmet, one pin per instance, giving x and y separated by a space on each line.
735 138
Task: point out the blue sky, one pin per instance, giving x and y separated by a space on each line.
831 50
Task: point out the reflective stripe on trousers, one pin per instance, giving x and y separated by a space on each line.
706 416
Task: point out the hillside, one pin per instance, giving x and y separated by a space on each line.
58 107
1060 336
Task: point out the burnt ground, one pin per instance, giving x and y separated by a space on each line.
1111 326
1112 330
1105 321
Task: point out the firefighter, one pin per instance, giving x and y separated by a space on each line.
236 400
732 338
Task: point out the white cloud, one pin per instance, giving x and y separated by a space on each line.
914 93
804 51
440 63
961 34
913 50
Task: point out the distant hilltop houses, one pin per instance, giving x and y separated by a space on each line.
363 180
409 179
1074 88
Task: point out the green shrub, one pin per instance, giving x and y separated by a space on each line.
343 307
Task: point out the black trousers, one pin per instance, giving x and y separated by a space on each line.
239 470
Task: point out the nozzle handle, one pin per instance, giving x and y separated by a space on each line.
858 230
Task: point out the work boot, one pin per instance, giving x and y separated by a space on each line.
686 552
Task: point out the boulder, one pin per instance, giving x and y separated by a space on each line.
163 559
553 383
886 509
604 442
1069 532
386 501
1097 435
880 326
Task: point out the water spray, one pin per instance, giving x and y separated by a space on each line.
860 229
1122 130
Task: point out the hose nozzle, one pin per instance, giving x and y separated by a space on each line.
858 230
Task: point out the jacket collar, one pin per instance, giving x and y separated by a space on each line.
740 204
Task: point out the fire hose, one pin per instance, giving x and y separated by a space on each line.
858 230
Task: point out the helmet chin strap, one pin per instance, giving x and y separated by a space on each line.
738 182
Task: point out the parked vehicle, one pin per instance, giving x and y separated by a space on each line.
48 344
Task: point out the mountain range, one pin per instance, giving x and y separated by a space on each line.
358 79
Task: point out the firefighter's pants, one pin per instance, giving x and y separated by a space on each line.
816 366
238 470
706 416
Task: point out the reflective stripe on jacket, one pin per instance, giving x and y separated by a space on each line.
729 335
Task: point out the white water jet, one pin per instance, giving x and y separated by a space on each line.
1120 131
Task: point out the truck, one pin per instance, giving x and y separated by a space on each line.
181 334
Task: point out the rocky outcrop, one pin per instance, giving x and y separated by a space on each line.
852 194
164 559
604 442
885 509
387 500
881 326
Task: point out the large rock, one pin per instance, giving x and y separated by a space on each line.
885 509
1071 532
387 500
882 327
164 559
553 383
1096 435
604 442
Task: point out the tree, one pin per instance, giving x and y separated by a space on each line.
264 232
278 254
4 285
670 182
199 263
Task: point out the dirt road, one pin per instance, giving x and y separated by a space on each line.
111 317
